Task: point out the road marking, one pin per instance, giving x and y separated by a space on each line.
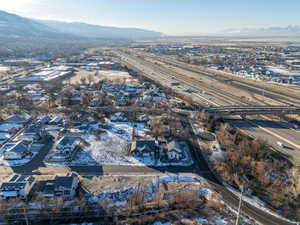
262 128
292 129
276 135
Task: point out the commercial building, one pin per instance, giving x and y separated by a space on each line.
47 74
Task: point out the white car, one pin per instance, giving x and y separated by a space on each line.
280 144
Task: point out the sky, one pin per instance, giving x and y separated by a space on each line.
173 17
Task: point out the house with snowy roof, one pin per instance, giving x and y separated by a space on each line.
60 186
16 151
18 186
142 148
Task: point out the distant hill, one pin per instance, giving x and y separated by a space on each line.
96 31
16 27
270 31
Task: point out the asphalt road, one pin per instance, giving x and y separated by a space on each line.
200 167
231 199
273 133
280 128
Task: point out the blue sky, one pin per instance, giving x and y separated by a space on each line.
183 17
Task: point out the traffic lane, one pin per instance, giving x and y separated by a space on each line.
254 212
250 210
281 128
256 131
158 75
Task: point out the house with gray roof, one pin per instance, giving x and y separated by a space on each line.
33 132
17 151
18 186
65 149
176 150
60 186
142 148
18 119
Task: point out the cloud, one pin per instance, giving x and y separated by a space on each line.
22 7
40 9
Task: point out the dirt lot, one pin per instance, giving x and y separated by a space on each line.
4 170
96 76
97 185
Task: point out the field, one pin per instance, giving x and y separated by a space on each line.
96 76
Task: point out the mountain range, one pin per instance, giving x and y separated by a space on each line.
13 26
17 28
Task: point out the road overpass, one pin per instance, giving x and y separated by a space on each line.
245 110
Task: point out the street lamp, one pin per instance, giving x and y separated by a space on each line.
240 204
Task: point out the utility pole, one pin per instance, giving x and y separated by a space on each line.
239 209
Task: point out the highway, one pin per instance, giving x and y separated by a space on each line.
259 88
199 168
216 97
260 215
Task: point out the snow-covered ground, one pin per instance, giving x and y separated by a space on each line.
253 200
110 148
178 179
218 154
161 223
206 220
6 127
187 159
119 197
20 162
34 151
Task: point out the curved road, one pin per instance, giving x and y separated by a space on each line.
200 168
258 214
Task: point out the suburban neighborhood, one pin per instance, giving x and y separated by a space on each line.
140 112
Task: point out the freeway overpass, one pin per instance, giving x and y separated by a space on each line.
252 110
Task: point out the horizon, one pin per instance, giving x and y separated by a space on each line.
165 17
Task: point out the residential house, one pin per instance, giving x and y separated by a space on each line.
33 132
65 149
4 137
119 116
57 120
60 186
18 186
122 100
143 118
44 119
10 127
153 95
176 150
108 65
17 151
18 119
91 67
142 148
